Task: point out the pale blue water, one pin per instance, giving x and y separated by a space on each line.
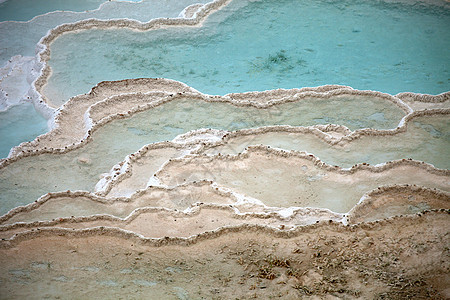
270 44
24 10
427 139
19 124
20 38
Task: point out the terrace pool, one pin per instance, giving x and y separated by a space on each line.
260 45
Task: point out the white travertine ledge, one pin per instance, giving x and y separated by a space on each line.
73 123
165 241
388 201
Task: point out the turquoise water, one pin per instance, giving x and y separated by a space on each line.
24 10
20 38
261 45
19 124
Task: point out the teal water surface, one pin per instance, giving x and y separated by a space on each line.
19 124
260 45
24 10
20 38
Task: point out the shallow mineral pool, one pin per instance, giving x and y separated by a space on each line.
24 10
260 45
19 124
24 22
24 181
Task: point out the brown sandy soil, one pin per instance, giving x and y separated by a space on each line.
401 258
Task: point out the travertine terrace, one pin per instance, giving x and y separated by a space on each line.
280 203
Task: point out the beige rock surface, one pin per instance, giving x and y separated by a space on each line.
395 259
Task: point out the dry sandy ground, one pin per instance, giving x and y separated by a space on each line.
400 258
